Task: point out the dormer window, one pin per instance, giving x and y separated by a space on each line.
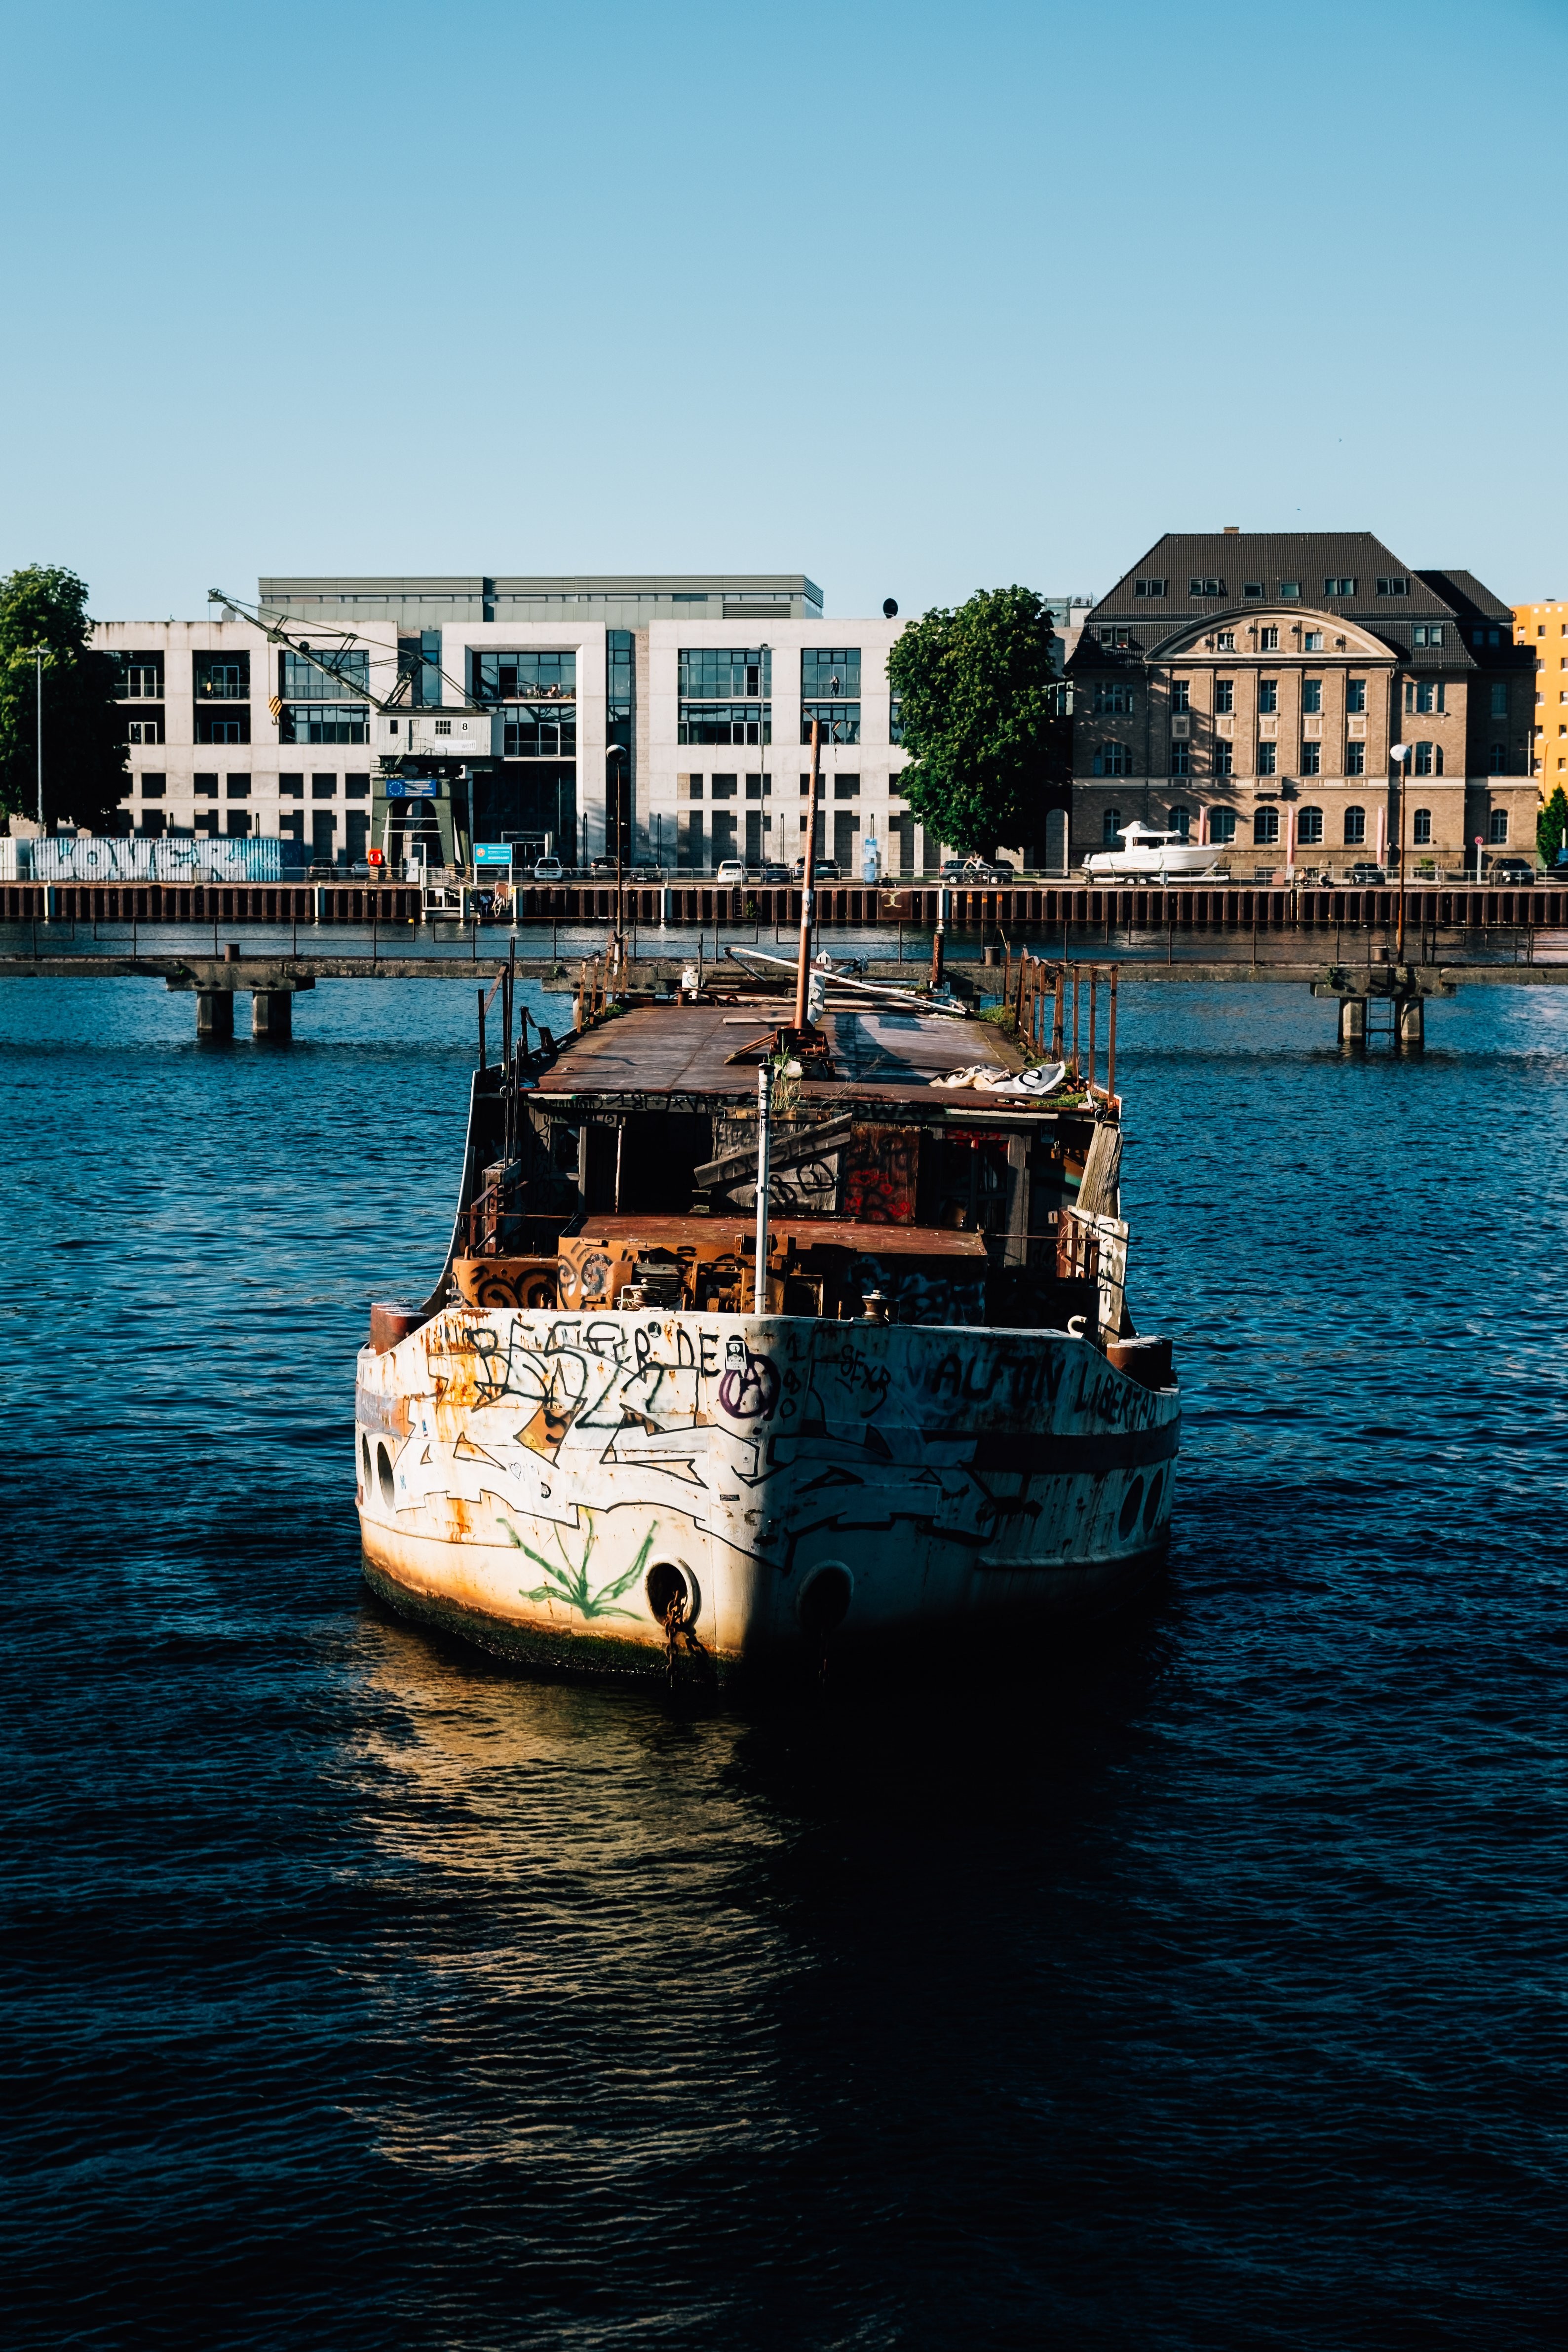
1252 587
1339 587
1428 633
1312 641
1208 586
1395 585
1148 587
1290 587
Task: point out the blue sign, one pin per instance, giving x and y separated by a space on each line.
493 853
413 788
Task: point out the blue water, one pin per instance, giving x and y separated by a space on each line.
1201 1987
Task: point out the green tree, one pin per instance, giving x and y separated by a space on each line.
978 693
84 726
1551 825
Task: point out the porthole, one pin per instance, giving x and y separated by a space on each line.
668 1581
1129 1518
384 1471
824 1602
1152 1507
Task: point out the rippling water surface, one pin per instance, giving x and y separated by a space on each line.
1203 1989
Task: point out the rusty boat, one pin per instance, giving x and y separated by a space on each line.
761 1338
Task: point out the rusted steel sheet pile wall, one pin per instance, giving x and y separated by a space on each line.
1017 909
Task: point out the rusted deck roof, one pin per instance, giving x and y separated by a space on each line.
685 1049
807 1233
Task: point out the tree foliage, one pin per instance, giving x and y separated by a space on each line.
978 691
84 726
1551 826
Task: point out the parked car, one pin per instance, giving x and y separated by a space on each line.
775 873
1365 877
645 871
985 870
1510 872
548 869
825 870
730 871
955 869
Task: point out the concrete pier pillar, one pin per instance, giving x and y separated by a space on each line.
272 1013
1352 1021
1412 1024
215 1013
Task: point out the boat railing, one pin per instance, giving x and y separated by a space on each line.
1055 1008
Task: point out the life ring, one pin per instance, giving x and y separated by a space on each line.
375 857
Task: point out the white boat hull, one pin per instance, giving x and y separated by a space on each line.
532 1481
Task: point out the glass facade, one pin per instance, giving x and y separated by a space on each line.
323 722
840 721
833 670
525 676
539 730
718 684
347 673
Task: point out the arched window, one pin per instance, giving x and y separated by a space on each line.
1181 821
1310 828
1266 827
1421 828
1356 828
1222 825
1111 825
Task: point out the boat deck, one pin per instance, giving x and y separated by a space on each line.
667 1050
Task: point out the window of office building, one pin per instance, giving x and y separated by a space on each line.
236 788
895 721
1111 827
1179 820
1181 758
323 788
1268 758
1312 641
236 823
723 788
1355 828
1310 828
539 730
1225 641
220 677
153 787
1497 827
830 671
291 825
1269 641
1312 760
140 677
1311 694
357 788
1181 694
324 722
1205 585
1355 759
1267 694
1224 695
1113 759
1497 760
1223 759
145 730
1500 700
1355 697
839 722
1222 826
291 788
1113 697
1265 827
1424 695
154 821
223 726
526 676
1290 587
725 673
1252 587
1421 828
846 788
202 784
336 672
1428 759
206 820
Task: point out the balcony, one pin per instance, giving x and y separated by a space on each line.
222 689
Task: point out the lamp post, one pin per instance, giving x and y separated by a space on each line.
1400 753
38 653
617 753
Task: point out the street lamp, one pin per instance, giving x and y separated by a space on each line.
38 653
1400 753
617 751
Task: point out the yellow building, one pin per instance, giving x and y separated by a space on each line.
1546 626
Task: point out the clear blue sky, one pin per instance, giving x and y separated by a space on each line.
917 298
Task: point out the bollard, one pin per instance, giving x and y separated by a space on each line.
215 1013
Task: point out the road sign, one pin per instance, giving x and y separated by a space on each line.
493 853
413 788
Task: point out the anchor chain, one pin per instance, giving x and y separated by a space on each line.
677 1630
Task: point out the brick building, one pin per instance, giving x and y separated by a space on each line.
1246 688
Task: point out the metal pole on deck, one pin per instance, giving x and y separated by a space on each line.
764 1172
808 878
481 995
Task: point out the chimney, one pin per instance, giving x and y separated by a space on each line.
1233 530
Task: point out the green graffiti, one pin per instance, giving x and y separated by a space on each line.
568 1579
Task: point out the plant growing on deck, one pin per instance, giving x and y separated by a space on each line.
979 690
84 723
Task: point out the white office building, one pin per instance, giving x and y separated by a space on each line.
525 711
